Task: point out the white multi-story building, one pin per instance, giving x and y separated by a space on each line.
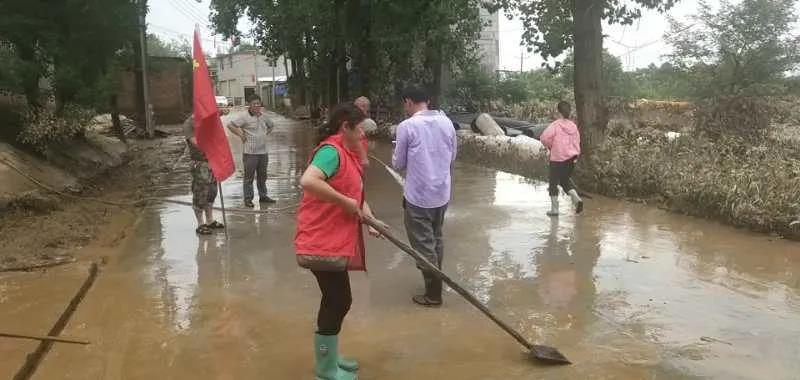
242 74
489 41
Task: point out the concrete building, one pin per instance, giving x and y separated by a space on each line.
489 41
241 74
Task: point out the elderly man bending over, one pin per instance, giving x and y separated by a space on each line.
368 125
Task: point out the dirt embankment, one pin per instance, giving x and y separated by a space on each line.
42 229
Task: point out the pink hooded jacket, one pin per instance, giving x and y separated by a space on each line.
562 139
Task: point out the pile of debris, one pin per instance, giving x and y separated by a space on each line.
521 155
488 125
493 145
104 125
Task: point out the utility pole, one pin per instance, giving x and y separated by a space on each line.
274 104
148 115
257 91
522 56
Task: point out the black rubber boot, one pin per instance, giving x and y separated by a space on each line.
433 291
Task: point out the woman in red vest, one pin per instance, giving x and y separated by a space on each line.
329 239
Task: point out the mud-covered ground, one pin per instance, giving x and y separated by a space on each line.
47 230
625 290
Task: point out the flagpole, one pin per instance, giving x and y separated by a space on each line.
224 215
209 130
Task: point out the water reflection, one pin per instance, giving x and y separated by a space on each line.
627 291
518 192
217 263
176 268
662 275
217 310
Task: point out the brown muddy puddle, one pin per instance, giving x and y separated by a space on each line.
625 291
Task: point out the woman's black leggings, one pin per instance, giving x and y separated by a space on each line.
560 173
335 303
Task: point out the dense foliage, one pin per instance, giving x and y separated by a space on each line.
742 49
344 48
70 43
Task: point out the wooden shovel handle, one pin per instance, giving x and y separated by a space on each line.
44 338
430 267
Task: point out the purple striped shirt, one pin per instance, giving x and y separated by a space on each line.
426 147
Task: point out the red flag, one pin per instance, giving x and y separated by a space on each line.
208 130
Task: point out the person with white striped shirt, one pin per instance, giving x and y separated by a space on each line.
253 127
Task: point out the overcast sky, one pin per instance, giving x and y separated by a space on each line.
637 45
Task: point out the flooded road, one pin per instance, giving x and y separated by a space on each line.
625 291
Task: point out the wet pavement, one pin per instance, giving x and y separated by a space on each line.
626 291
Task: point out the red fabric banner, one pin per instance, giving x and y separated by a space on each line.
210 135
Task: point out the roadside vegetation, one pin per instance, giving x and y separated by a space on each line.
729 87
714 137
61 63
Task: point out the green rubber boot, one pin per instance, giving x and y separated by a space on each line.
348 365
326 352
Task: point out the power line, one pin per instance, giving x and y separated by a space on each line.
175 33
169 31
638 47
183 10
191 8
187 14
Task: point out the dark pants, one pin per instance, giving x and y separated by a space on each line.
335 303
255 167
560 174
424 230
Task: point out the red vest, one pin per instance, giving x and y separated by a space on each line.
324 228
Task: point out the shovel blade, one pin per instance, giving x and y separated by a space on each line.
548 355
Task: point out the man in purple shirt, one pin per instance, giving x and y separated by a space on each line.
426 147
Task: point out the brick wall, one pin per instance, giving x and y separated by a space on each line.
170 90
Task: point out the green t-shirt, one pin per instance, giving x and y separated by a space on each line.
327 160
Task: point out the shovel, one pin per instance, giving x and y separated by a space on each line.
545 354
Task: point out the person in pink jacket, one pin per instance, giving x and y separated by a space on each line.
563 140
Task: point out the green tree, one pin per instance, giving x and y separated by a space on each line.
616 82
740 49
544 85
25 26
472 88
793 85
10 66
157 47
72 43
375 47
513 89
665 82
554 26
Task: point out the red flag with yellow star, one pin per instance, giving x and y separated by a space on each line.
208 129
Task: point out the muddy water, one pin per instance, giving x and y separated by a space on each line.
625 291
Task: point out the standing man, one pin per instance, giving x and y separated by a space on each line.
204 186
368 125
426 147
253 127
